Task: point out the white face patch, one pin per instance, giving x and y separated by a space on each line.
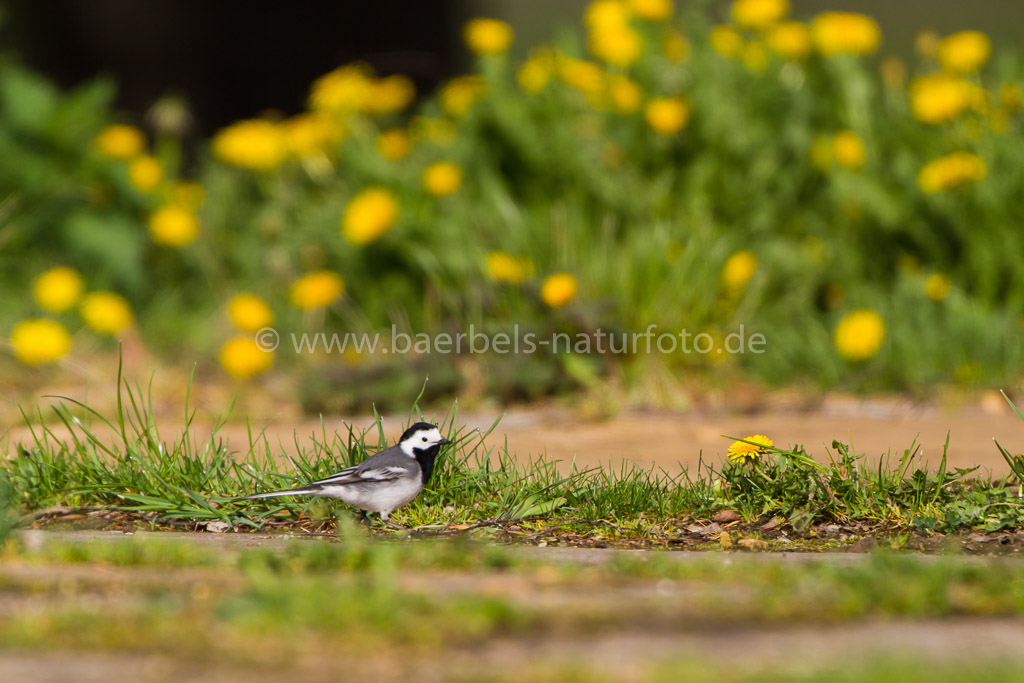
422 440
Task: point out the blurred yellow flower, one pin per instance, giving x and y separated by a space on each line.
726 41
255 144
586 77
344 90
58 289
939 98
487 36
738 269
964 52
120 142
173 226
759 14
676 47
40 341
894 72
310 134
391 94
937 286
848 150
652 10
667 115
369 214
145 173
606 13
859 335
188 195
243 358
625 94
316 290
743 452
442 178
754 56
926 44
504 267
106 312
790 40
249 312
948 172
536 72
558 289
616 45
461 93
845 33
394 144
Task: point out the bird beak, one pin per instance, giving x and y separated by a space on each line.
444 442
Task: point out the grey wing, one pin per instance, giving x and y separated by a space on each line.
391 463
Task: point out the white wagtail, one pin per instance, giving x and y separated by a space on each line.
383 482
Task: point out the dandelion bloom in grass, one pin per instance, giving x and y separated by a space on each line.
145 173
391 94
738 270
952 171
461 93
58 289
173 225
845 33
536 72
579 74
652 10
964 52
249 312
256 144
393 144
939 98
726 41
759 14
606 14
667 115
344 90
937 286
316 290
487 36
310 134
790 40
558 289
848 150
120 142
187 194
243 358
619 46
625 94
106 312
859 335
743 452
40 341
505 267
442 178
369 214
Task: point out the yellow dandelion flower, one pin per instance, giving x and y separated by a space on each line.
616 45
243 358
40 341
487 37
173 226
625 94
848 150
536 72
558 289
505 267
120 142
676 47
845 33
344 90
391 94
316 290
667 115
461 93
743 452
58 289
951 171
859 335
311 134
442 178
249 312
369 214
790 40
256 144
759 14
937 286
187 194
106 312
738 270
726 41
652 10
964 52
938 98
606 13
579 74
145 173
394 144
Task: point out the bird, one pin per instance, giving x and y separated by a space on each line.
383 482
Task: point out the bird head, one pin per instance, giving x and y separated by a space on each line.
422 439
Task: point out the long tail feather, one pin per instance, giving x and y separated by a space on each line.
275 494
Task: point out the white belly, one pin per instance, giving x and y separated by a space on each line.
377 497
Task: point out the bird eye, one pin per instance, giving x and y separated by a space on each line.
424 439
